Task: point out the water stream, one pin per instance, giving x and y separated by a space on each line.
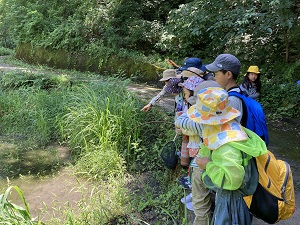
285 139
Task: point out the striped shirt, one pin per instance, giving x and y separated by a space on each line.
159 96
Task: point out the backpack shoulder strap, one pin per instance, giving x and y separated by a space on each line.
253 116
245 110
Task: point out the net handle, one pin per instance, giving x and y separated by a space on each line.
175 136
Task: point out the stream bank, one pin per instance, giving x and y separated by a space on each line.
46 195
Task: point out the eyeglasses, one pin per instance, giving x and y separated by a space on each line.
210 72
214 72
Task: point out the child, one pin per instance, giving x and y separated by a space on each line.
188 92
201 200
191 146
167 75
190 143
195 63
251 84
220 155
172 87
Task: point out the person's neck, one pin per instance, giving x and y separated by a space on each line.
230 85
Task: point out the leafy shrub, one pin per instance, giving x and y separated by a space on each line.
6 51
107 115
281 100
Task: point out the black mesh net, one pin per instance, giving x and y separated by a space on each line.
169 154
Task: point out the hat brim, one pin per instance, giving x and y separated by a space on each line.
203 68
183 68
251 72
211 119
216 136
212 67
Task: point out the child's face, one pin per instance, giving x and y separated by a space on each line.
252 76
186 93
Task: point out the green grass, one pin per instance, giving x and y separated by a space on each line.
108 136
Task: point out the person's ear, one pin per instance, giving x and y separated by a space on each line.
229 74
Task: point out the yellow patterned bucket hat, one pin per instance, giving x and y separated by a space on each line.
212 107
218 135
213 111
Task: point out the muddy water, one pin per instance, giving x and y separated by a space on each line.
285 138
46 188
46 196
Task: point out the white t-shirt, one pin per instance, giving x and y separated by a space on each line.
236 103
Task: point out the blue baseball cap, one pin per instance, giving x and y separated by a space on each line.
193 62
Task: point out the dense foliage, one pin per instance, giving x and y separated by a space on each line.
178 28
266 33
244 27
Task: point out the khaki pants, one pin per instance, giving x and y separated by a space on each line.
201 199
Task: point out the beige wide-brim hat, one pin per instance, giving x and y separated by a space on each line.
168 74
192 71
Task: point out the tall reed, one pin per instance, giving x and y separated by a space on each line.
11 213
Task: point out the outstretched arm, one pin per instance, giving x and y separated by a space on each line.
147 107
154 100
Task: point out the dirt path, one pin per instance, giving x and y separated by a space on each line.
50 193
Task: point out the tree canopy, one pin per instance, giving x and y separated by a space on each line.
256 31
